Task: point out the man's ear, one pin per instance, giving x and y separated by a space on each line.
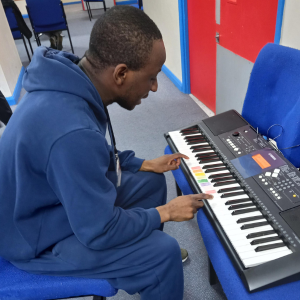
120 74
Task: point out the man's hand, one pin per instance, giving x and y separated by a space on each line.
182 208
163 164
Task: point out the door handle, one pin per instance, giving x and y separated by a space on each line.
217 37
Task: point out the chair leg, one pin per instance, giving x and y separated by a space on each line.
70 40
99 298
178 190
26 47
104 5
36 39
88 10
30 46
213 278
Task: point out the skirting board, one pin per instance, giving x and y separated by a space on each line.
126 2
209 112
173 78
16 94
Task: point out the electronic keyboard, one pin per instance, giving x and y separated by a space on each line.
256 205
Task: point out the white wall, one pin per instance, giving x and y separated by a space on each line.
10 63
166 16
290 31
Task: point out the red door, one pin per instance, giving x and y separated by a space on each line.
245 27
202 44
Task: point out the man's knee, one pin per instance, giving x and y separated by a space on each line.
166 247
157 180
157 186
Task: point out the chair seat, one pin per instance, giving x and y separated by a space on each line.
227 275
17 34
52 27
18 284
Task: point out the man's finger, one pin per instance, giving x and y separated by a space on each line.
199 204
202 196
178 155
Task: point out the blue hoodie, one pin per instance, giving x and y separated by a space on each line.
57 175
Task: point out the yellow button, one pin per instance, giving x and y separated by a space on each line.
294 196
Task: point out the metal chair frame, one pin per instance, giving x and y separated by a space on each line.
89 8
22 38
36 34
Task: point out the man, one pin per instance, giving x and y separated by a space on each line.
67 208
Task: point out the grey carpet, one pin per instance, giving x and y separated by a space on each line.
142 130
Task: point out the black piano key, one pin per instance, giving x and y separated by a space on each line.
258 234
238 206
233 194
207 160
199 146
211 166
215 169
189 129
223 178
249 219
253 225
194 137
207 155
227 190
207 148
190 132
221 183
242 200
265 240
219 175
243 211
198 140
269 247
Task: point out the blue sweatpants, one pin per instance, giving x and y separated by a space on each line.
151 266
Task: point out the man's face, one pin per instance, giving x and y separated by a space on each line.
138 84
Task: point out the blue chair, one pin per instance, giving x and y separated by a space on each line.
139 4
47 16
89 8
15 30
272 98
16 284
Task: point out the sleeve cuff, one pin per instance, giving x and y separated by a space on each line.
155 217
134 164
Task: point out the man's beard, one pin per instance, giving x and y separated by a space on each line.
124 102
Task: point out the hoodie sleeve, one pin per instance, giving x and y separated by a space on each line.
76 171
129 162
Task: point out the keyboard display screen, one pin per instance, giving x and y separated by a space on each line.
257 162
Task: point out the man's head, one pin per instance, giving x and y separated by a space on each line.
126 53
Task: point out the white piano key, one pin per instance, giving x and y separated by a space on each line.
254 261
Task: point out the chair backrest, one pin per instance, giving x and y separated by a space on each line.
12 23
46 15
273 97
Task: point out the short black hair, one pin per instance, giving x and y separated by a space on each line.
124 34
